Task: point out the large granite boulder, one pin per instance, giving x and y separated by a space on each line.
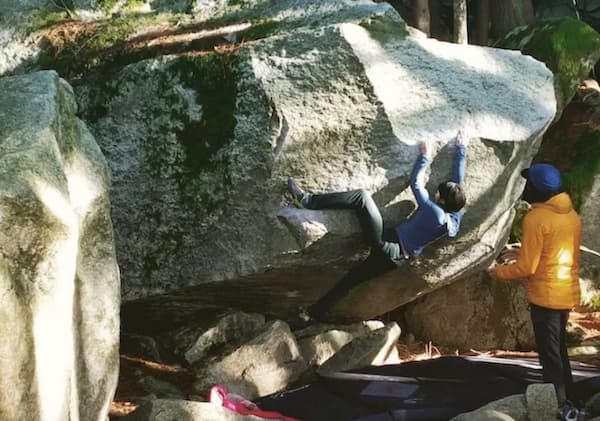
200 148
59 310
474 313
17 43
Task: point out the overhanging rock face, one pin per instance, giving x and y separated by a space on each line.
418 90
59 307
336 104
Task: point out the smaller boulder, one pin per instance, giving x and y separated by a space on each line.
318 343
264 365
375 348
592 406
541 402
510 408
485 415
231 328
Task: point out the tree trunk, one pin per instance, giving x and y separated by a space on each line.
482 22
435 19
460 22
508 14
421 15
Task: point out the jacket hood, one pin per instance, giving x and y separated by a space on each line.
560 203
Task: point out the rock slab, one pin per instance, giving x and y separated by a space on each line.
59 306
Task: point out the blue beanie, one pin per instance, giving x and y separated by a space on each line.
544 177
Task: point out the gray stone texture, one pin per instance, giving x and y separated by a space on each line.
18 46
592 406
60 303
339 104
374 348
318 343
474 313
264 365
541 402
511 408
229 329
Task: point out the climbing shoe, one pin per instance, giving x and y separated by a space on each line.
296 192
570 413
304 317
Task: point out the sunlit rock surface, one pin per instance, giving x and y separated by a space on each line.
199 173
266 364
59 307
17 46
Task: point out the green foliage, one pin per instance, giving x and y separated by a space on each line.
516 230
91 47
115 30
48 18
187 146
65 5
106 4
567 46
102 45
260 29
55 12
594 303
583 156
579 179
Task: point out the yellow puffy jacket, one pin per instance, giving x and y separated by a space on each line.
549 257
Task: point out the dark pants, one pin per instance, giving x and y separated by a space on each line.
550 328
385 254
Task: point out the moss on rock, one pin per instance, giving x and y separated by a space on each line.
569 48
579 179
76 48
187 142
212 77
47 18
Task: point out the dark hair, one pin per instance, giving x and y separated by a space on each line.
452 196
533 195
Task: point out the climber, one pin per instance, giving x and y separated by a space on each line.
432 220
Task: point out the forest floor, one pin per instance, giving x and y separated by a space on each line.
129 392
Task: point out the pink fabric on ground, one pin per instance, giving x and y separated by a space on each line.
218 395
